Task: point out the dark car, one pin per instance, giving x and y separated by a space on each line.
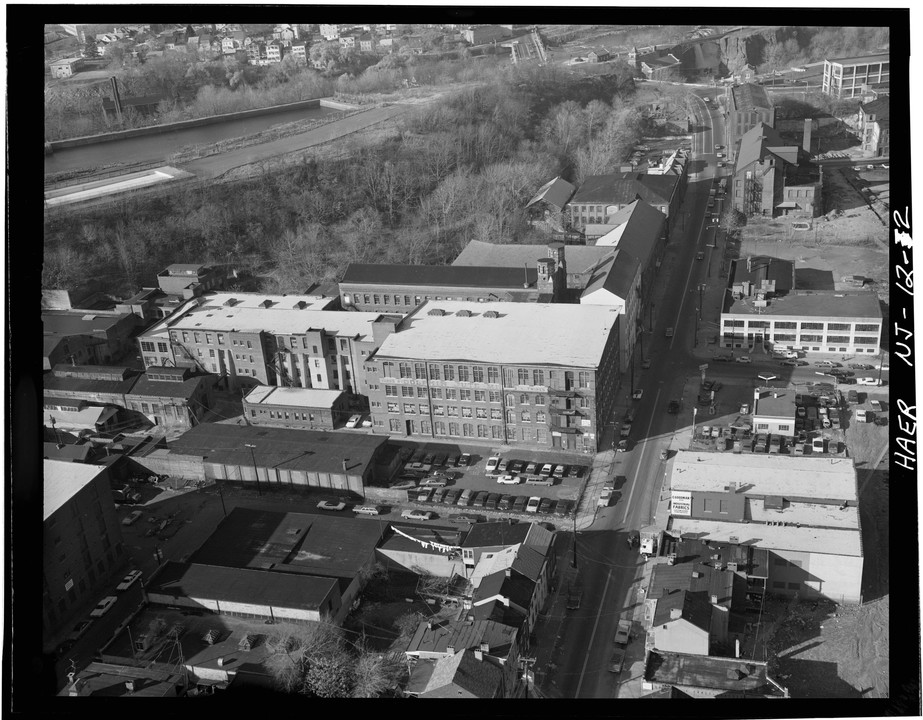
480 499
452 461
545 505
519 503
78 631
464 460
493 499
562 507
516 466
506 502
673 407
576 471
438 495
451 496
428 459
417 457
439 459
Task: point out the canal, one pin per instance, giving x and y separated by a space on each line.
159 146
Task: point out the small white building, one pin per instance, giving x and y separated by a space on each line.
66 67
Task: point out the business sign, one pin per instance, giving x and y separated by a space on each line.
703 367
68 585
681 503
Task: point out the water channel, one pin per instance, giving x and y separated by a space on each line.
159 146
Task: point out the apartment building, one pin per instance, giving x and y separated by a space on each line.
856 77
250 339
875 127
537 375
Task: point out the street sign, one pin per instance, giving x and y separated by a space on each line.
704 366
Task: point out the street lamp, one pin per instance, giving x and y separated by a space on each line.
255 471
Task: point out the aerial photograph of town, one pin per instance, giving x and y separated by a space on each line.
430 360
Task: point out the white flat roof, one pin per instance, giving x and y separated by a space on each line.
521 334
825 541
755 474
281 318
813 514
299 397
62 480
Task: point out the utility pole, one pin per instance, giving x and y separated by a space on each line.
573 562
256 472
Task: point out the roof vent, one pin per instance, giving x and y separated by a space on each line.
266 304
463 313
231 302
491 314
300 305
436 312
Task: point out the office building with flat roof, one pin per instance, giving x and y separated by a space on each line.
802 510
304 408
82 541
538 375
857 76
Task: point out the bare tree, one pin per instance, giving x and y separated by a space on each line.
375 674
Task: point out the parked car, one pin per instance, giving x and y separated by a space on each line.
545 505
664 454
828 363
546 469
562 507
516 466
793 363
353 421
622 633
575 471
604 497
331 505
622 446
532 468
744 408
492 463
876 405
533 504
493 499
452 460
508 479
367 510
615 662
428 459
868 381
852 396
743 359
465 518
79 630
129 580
132 517
637 394
480 499
417 515
464 500
451 496
559 471
506 502
104 606
645 364
403 484
519 503
434 482
503 465
669 332
464 460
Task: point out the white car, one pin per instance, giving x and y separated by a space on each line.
720 155
328 505
508 480
366 510
868 381
532 505
129 580
636 395
104 606
604 497
743 359
491 466
416 515
132 517
353 421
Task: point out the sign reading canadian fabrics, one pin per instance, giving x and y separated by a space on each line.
681 503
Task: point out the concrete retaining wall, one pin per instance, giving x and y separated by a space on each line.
162 462
183 124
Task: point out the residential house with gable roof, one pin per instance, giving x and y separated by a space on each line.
601 196
875 126
548 203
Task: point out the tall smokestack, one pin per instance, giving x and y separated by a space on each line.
806 143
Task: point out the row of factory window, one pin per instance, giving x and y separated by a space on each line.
494 432
405 300
789 325
466 395
480 374
806 338
278 415
197 338
466 412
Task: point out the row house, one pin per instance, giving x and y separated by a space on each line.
537 375
286 340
